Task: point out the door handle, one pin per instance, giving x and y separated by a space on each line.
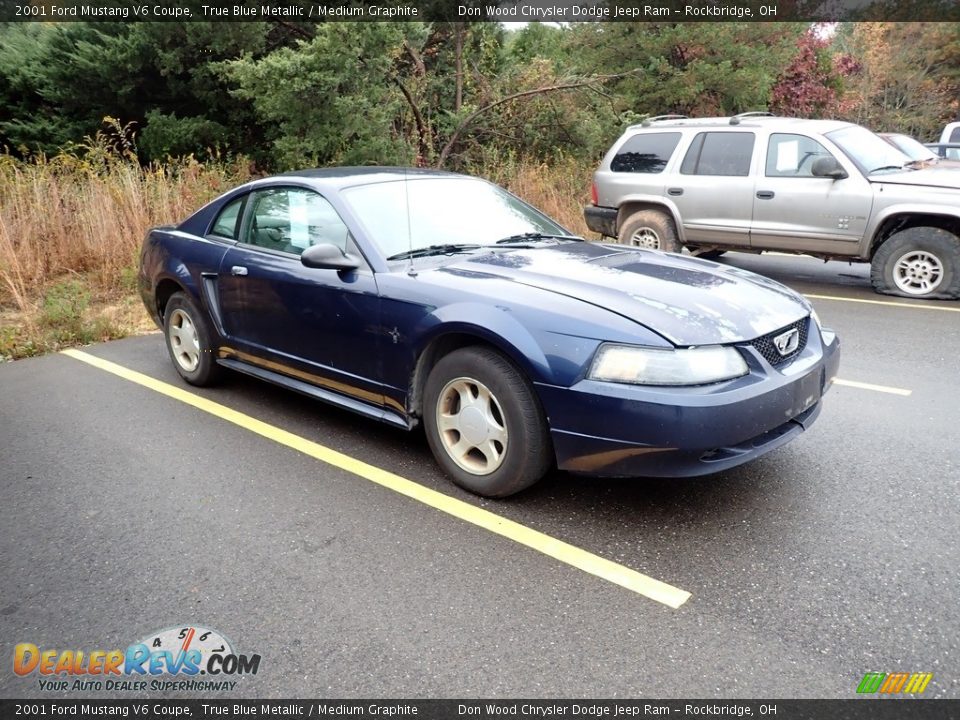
674 191
764 194
238 270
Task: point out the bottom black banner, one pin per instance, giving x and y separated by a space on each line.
853 709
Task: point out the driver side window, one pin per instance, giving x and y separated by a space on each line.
292 219
790 155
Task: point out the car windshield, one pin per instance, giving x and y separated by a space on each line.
407 215
914 149
869 152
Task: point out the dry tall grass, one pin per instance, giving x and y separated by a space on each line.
70 216
560 188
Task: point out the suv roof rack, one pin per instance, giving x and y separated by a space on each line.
650 120
735 120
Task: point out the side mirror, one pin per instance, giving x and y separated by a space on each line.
328 257
828 167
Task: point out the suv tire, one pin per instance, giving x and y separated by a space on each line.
919 262
651 229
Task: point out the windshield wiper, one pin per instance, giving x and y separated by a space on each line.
446 249
535 236
886 167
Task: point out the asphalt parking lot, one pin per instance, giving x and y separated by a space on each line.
127 511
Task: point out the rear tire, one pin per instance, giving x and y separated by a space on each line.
189 341
484 423
919 262
650 229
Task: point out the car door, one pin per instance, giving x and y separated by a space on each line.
794 210
317 325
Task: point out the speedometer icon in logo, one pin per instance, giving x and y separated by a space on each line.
183 639
190 650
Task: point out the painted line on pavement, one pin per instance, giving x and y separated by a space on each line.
559 550
942 308
876 388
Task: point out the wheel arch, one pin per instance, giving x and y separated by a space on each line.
629 207
526 355
894 223
165 289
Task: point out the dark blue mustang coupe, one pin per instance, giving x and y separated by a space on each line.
420 296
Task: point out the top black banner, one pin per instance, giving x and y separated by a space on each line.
558 11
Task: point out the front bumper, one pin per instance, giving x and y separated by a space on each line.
616 430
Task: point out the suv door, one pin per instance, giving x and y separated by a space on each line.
713 190
796 211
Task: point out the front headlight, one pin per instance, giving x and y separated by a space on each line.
649 366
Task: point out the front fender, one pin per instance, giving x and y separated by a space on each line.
491 323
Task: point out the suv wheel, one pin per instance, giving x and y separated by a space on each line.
651 229
919 262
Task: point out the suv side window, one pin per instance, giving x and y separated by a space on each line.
719 153
293 219
645 153
790 155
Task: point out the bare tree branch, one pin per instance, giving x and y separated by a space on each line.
423 131
421 68
467 121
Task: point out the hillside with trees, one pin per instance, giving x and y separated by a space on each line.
289 95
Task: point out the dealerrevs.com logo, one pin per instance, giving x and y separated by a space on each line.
168 660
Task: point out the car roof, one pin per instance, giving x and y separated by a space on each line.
754 121
341 177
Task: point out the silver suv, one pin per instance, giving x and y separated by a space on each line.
756 182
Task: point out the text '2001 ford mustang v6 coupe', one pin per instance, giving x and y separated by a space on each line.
416 296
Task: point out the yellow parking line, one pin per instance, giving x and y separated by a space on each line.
942 308
557 549
869 386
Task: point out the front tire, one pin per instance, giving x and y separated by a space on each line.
650 229
919 262
189 341
484 423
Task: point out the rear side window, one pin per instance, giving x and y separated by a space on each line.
227 221
645 153
955 135
719 153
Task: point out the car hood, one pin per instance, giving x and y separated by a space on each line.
685 300
934 176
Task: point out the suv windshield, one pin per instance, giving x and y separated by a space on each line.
868 151
407 215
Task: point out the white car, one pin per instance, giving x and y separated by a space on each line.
951 135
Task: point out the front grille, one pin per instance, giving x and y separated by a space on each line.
766 347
